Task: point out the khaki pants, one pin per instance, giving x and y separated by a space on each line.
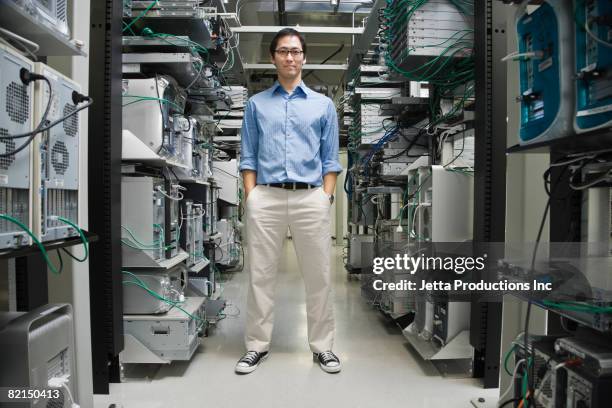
270 210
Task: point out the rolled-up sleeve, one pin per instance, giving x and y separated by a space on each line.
249 139
330 141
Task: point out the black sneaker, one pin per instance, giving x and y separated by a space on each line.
250 361
328 361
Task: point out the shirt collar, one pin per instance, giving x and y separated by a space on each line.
302 88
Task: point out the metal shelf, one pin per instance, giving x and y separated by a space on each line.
199 266
52 43
193 27
138 259
49 246
136 43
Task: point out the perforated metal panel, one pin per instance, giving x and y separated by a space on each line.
71 125
15 118
14 202
17 102
60 158
6 146
57 403
57 159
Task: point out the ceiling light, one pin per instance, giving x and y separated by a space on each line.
334 2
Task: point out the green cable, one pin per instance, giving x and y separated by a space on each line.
150 98
156 295
137 241
83 240
131 244
36 241
141 15
525 382
507 357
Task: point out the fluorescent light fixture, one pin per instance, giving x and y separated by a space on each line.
334 2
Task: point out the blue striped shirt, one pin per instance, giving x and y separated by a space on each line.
290 137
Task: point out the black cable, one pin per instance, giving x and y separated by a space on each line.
220 249
458 154
70 255
530 377
50 124
174 174
325 60
226 172
44 117
509 402
39 130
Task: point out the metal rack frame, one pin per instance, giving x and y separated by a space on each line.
490 174
104 172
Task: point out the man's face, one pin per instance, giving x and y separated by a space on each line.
288 57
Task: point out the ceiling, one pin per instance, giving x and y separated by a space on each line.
254 46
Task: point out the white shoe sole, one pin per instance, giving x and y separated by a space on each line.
331 370
247 370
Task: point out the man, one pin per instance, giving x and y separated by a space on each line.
289 164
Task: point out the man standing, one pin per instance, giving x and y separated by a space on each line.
289 163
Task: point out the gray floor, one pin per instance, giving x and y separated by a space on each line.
379 368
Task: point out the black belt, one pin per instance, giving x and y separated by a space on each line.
291 186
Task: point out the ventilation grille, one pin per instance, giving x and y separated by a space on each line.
59 402
61 11
60 160
58 365
14 202
17 102
71 125
62 203
6 146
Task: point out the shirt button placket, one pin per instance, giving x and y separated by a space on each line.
286 133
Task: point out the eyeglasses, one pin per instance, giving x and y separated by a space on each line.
285 52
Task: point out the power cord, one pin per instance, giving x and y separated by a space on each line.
28 77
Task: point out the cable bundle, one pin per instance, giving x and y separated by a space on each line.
451 72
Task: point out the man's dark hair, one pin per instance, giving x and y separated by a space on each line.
287 32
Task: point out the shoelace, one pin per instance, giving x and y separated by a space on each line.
328 356
250 357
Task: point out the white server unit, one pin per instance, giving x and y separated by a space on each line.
212 195
161 339
442 210
54 14
36 347
56 158
192 232
152 121
168 284
238 95
143 215
423 324
51 13
173 196
371 123
360 251
450 319
431 30
227 177
228 251
16 117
